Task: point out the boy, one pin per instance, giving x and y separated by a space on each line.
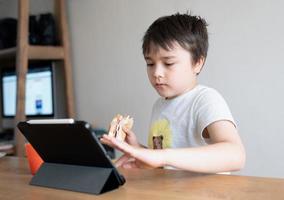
191 126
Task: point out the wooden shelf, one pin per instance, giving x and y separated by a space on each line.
7 148
45 52
24 52
8 53
36 52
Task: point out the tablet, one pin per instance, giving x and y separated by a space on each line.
66 141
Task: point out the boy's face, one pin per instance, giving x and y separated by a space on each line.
171 72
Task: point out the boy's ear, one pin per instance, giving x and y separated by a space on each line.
198 65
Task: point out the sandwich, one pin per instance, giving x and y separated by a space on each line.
117 124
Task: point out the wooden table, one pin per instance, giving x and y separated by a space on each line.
144 184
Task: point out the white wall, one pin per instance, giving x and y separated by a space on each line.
9 8
244 63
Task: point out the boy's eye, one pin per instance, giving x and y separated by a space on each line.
150 64
169 64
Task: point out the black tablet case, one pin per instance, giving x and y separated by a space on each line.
73 158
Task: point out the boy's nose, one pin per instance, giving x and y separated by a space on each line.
158 72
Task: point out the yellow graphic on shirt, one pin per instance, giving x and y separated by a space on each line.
160 136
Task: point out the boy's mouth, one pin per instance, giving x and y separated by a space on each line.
160 85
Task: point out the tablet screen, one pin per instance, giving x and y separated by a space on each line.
70 142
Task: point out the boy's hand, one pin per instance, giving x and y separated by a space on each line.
127 162
131 137
115 143
149 157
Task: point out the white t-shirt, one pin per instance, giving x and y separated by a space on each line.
179 122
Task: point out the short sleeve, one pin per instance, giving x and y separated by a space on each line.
210 107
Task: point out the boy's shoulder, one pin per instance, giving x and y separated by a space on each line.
206 92
200 92
208 95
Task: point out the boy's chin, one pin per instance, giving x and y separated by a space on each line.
162 94
171 97
167 95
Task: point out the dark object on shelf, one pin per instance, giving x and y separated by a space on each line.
42 30
7 135
34 37
8 33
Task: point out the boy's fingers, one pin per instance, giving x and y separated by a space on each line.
130 165
120 145
122 160
127 131
105 136
113 142
127 166
105 139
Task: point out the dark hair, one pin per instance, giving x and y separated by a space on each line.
189 31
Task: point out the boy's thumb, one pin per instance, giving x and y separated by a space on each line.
126 129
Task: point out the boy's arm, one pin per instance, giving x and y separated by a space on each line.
226 154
